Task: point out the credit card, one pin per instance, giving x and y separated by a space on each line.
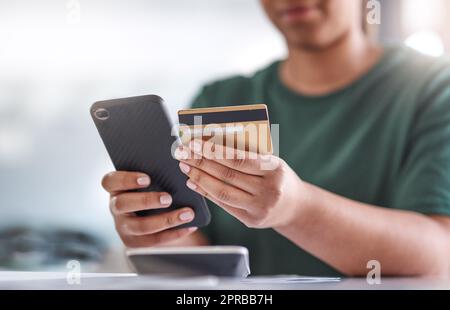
244 127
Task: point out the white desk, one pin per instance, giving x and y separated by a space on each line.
51 280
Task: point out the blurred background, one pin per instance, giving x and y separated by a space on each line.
59 56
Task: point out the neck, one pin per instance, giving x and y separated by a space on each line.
318 72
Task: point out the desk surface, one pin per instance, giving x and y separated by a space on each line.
52 280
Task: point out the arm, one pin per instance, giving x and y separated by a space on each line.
344 233
347 234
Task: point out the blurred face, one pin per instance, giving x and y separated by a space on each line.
314 24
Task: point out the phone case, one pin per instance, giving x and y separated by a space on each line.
137 134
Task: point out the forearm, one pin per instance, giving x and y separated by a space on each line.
348 234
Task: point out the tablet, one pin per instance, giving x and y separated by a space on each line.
223 261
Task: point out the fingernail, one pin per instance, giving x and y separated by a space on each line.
180 154
185 168
165 200
196 146
191 229
143 181
191 185
113 202
186 216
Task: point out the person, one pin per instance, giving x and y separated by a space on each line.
363 171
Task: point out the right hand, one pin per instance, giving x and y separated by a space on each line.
144 231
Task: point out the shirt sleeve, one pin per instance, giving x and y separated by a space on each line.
424 181
199 100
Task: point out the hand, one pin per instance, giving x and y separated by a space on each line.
145 231
260 191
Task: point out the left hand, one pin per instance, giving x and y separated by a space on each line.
261 191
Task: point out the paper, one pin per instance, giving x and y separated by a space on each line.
289 279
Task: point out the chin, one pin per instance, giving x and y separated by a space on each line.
311 40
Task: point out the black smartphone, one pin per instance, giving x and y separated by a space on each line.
139 136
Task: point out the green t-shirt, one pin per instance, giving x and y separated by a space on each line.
383 140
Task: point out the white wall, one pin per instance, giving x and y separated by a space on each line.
53 65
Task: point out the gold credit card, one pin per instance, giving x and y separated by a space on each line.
245 127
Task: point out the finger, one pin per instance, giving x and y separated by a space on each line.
157 239
240 214
247 162
119 181
217 189
145 225
133 202
246 182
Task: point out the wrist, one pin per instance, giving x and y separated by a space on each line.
302 206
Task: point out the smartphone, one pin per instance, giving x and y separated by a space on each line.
139 136
222 261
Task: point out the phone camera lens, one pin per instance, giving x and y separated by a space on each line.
101 114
